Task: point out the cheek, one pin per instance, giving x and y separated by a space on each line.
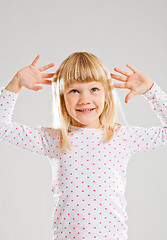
69 101
101 99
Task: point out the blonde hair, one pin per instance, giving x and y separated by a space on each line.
83 67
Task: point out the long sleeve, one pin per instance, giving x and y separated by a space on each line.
29 138
148 139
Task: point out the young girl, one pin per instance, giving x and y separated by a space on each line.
90 152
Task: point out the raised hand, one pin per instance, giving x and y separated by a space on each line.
137 82
31 75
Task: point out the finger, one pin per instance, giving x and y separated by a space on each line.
47 82
122 71
41 69
36 88
129 96
119 85
121 78
47 75
35 60
132 68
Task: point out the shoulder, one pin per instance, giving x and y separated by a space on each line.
50 131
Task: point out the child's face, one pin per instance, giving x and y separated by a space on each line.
80 96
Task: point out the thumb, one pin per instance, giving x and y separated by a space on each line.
129 96
36 88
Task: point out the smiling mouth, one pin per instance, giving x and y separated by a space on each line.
86 110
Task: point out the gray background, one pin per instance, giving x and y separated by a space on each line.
118 32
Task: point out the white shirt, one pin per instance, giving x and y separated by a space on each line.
88 183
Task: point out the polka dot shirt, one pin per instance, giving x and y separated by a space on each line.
88 182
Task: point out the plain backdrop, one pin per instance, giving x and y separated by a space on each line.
118 32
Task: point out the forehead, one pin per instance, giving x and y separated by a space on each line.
87 84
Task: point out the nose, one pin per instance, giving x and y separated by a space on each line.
84 99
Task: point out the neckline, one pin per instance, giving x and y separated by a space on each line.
71 127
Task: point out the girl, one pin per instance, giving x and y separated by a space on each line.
90 151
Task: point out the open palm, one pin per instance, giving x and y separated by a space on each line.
31 75
137 82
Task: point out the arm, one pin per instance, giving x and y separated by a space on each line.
33 139
142 139
153 138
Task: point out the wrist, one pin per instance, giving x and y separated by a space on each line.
14 85
152 83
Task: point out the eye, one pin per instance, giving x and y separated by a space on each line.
95 88
73 90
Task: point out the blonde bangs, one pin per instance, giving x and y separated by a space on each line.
81 67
